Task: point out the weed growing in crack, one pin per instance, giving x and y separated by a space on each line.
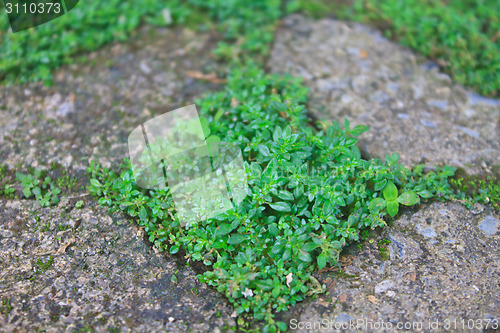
36 184
310 194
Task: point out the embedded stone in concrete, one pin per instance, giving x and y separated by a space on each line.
489 226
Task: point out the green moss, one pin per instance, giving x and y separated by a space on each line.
483 189
6 307
383 250
44 265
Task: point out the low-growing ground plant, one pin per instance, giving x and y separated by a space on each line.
40 186
478 189
310 194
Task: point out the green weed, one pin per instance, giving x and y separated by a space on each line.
478 189
37 184
41 266
310 194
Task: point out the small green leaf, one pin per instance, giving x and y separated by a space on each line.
281 326
223 229
213 139
143 213
281 206
278 106
273 230
27 192
377 204
390 191
287 255
425 194
264 284
304 256
392 208
321 261
393 158
308 247
277 133
263 150
358 130
276 292
277 248
408 198
346 124
204 126
219 114
380 184
327 208
95 183
236 239
174 249
285 195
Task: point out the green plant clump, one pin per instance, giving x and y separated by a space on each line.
37 184
7 190
462 35
310 193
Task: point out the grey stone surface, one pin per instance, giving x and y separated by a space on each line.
434 282
412 109
443 262
489 226
383 286
91 109
104 275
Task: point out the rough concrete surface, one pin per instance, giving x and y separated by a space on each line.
439 268
103 275
66 270
411 108
91 109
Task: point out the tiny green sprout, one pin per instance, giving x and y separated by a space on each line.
9 191
383 250
79 204
44 265
392 200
